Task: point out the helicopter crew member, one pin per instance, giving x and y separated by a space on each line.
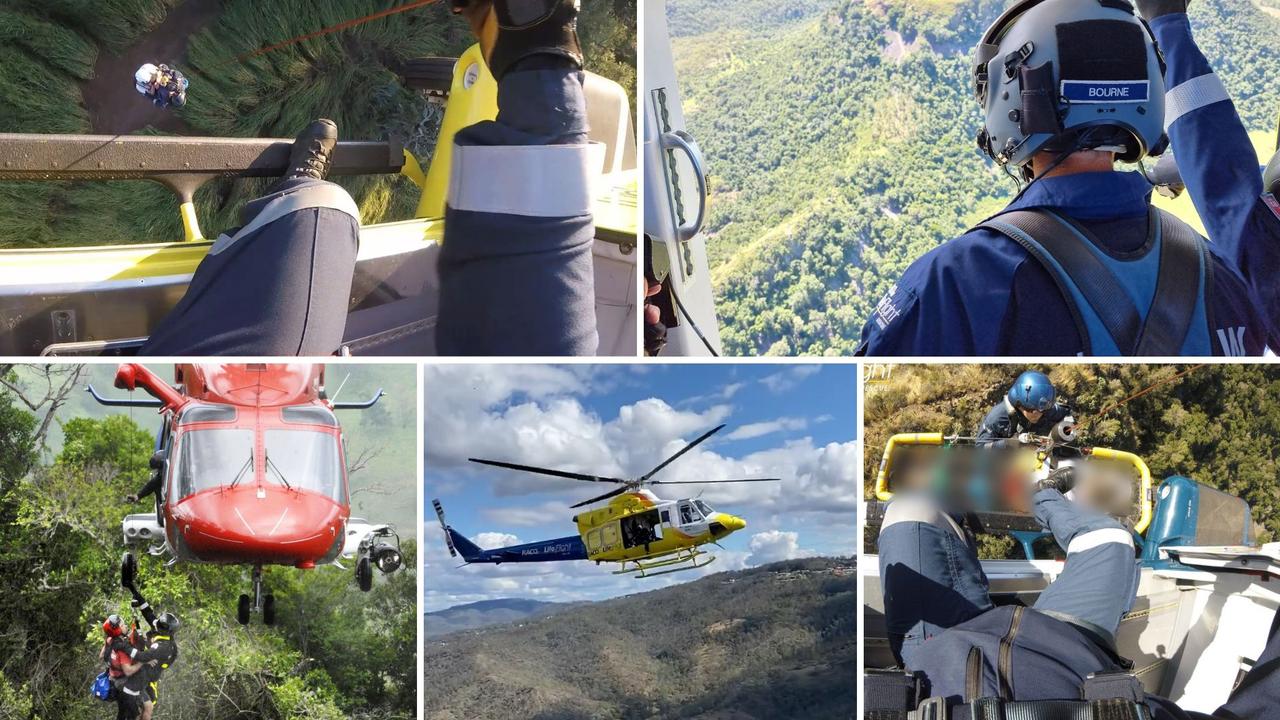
1028 410
943 625
150 662
154 482
1079 263
518 223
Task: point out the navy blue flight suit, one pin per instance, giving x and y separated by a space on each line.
1005 422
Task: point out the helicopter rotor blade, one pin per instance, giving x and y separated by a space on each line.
547 471
708 482
606 496
683 450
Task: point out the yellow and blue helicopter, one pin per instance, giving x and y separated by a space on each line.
645 534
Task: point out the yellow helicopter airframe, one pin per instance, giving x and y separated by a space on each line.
645 534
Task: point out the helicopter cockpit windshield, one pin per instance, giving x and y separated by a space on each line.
213 458
305 460
705 508
690 512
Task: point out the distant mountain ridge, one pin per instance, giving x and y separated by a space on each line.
775 642
485 613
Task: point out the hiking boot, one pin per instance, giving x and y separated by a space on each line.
312 151
1061 479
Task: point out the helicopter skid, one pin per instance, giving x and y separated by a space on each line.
683 560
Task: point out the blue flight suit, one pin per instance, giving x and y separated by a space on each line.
943 625
1005 421
983 294
1217 161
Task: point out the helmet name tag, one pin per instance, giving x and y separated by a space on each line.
1106 91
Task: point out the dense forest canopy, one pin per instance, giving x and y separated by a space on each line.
1218 424
49 49
840 139
334 653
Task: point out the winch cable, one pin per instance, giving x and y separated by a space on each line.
1177 376
338 27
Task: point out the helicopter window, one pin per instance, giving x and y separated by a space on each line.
689 514
207 413
305 460
309 414
212 458
705 508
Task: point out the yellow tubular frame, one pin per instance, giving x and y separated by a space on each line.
1144 474
886 462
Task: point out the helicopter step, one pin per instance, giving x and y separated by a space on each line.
683 560
259 603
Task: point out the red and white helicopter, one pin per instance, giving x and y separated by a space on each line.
251 471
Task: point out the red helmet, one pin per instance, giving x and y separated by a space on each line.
113 626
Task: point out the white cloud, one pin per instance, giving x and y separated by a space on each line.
784 380
760 429
528 516
774 546
491 540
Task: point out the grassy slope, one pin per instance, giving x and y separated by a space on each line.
349 76
759 643
836 165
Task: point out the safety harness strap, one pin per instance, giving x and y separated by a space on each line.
1057 247
1182 262
889 694
1060 248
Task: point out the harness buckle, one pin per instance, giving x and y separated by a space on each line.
934 708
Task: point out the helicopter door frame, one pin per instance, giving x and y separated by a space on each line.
629 539
675 197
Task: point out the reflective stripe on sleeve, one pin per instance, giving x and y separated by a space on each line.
530 180
1096 538
1192 95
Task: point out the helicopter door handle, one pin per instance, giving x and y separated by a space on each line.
683 141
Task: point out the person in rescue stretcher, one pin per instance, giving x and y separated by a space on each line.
516 273
1080 263
1056 659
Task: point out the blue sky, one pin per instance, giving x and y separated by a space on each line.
796 422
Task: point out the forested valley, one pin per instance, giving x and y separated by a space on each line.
839 136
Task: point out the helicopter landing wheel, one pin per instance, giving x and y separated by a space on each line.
364 574
269 610
242 610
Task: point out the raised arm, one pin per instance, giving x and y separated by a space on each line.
1214 152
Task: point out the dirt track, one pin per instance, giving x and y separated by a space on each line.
114 106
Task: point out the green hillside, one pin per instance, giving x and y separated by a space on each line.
1219 424
334 653
839 136
776 642
49 50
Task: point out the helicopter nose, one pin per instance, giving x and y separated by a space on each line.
725 524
